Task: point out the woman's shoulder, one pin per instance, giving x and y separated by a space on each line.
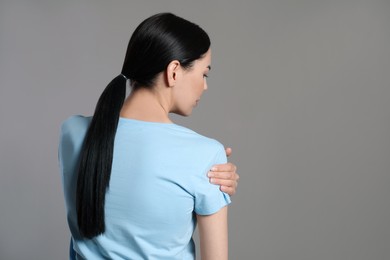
200 140
74 128
75 123
73 131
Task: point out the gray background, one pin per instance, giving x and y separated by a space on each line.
299 89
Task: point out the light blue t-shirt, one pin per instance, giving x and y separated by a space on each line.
158 182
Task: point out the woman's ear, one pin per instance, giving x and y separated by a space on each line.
173 72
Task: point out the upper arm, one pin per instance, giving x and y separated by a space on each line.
208 198
213 235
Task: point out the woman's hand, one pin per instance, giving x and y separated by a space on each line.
225 175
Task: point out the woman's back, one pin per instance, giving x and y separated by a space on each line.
158 180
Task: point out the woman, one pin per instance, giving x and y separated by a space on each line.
135 183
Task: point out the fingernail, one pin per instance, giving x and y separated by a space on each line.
210 174
212 180
214 168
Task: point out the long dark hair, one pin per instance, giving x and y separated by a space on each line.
156 42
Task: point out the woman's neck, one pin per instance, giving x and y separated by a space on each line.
146 105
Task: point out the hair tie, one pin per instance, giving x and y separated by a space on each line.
124 76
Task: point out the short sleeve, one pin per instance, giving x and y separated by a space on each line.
209 199
73 131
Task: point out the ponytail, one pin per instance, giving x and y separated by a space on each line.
96 159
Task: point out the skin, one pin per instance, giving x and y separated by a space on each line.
225 175
213 235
